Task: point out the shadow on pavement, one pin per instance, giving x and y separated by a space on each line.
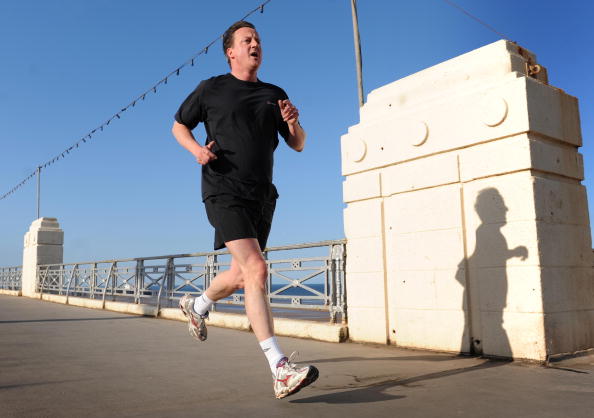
412 358
20 385
69 319
375 392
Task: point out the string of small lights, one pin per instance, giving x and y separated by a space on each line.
118 115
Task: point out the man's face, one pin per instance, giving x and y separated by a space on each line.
246 51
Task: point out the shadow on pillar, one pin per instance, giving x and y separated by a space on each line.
484 278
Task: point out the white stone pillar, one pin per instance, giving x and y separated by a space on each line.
43 245
466 221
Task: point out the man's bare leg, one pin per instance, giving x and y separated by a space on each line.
289 378
248 269
246 253
226 282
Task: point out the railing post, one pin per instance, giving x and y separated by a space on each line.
170 280
138 280
268 277
70 281
114 279
109 275
339 300
61 274
39 280
164 283
76 280
210 273
93 281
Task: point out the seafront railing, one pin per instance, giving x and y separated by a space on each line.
303 278
10 278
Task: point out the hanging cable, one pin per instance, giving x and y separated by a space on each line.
118 115
491 28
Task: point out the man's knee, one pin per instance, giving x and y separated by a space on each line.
255 272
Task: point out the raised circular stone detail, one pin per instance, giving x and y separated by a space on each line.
493 110
419 132
356 149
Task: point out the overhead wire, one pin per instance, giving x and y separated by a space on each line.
89 135
485 24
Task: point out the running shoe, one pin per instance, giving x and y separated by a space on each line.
196 322
290 378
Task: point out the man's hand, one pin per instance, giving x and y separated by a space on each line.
289 112
205 154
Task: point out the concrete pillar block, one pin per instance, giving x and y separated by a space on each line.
560 202
416 289
43 245
484 233
424 210
567 330
366 209
420 174
365 255
367 289
367 324
553 113
508 289
449 289
513 335
424 250
567 288
362 186
483 66
446 332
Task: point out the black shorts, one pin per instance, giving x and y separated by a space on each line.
235 218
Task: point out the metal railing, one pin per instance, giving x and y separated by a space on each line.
302 279
10 278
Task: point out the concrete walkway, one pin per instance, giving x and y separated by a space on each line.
66 361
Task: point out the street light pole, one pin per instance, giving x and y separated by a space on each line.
357 51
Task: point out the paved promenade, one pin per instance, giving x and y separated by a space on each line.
65 361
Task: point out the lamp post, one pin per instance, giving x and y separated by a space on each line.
357 51
38 191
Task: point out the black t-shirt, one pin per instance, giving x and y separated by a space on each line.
243 118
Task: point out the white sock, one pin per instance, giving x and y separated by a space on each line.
202 304
272 352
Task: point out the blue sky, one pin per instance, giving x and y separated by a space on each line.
67 66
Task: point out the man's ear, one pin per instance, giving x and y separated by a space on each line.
229 53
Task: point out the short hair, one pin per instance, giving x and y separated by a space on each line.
228 35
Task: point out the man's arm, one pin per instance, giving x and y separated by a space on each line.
186 139
290 114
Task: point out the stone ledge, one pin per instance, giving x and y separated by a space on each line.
10 292
284 327
131 308
216 319
53 298
334 333
85 303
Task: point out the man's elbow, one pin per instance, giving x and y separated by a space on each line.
176 128
297 145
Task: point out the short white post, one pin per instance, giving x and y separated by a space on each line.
43 245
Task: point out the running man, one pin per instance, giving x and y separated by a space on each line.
242 117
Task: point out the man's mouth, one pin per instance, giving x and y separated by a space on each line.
254 54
